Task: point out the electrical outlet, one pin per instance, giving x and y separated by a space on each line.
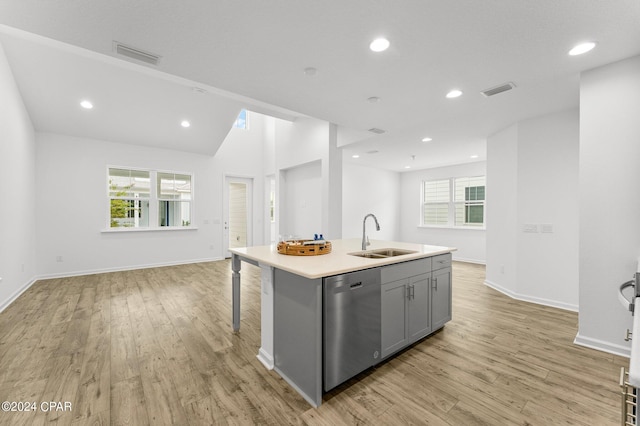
211 247
58 258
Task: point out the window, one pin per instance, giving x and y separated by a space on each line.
138 196
129 198
458 202
241 121
469 200
174 198
436 202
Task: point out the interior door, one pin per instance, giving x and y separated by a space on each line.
238 213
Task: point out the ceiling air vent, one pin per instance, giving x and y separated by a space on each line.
137 54
376 130
498 89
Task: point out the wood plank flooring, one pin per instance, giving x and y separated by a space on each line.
155 346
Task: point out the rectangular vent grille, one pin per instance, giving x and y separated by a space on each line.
498 89
376 130
137 54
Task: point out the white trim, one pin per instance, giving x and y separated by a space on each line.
126 268
265 359
601 345
5 304
161 229
474 228
532 299
460 259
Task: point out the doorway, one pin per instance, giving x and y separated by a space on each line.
238 213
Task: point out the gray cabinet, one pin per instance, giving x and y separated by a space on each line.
441 291
406 295
394 317
416 300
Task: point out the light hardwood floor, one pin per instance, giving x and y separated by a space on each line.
155 346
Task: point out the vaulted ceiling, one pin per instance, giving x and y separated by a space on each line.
253 54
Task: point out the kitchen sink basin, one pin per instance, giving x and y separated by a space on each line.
382 253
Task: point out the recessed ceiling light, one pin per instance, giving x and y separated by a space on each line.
474 156
379 45
454 93
407 167
582 48
86 104
426 139
185 123
355 156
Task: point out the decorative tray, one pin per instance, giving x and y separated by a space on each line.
304 247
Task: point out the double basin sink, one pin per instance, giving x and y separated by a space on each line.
382 253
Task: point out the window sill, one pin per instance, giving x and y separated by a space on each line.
160 229
462 228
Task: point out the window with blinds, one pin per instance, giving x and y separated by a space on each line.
457 202
436 202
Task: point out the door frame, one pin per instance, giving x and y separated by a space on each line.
249 181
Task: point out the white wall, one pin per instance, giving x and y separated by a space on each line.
469 242
303 142
17 190
609 200
548 195
532 173
502 209
370 190
242 154
301 213
72 204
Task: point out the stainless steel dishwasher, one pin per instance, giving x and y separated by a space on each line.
351 325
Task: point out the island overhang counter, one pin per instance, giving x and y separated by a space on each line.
292 301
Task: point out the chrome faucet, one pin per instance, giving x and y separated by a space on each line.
365 240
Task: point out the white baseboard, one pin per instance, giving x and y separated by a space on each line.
5 303
532 299
601 345
125 268
462 259
265 359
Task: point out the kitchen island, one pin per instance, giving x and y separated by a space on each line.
413 300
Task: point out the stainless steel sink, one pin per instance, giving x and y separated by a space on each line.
382 253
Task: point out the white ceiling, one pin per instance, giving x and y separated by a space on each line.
252 54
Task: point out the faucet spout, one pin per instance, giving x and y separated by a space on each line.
365 240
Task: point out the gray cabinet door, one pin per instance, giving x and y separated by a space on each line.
440 297
394 316
419 312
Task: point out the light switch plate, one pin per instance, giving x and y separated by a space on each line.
531 228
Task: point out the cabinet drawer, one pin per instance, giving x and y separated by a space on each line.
405 270
441 261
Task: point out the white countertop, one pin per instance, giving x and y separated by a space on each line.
338 261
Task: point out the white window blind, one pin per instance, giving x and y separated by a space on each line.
436 202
